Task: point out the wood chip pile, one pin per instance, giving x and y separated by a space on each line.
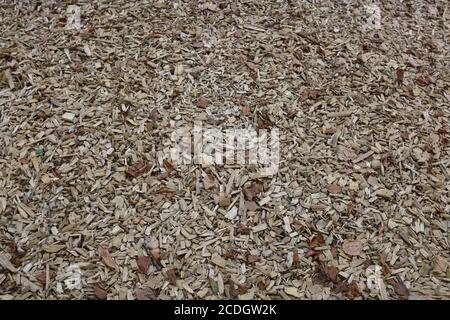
93 207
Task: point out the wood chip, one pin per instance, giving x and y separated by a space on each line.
6 264
352 248
112 185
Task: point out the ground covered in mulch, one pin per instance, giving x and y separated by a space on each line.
92 207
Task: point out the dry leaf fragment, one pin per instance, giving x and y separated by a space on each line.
209 181
253 259
413 63
401 290
246 111
198 44
155 282
143 263
311 253
156 254
232 254
299 225
242 288
159 4
252 192
423 80
399 74
435 45
153 113
153 243
351 290
313 94
251 65
330 130
251 206
334 188
168 166
317 241
340 61
145 293
139 169
383 263
298 56
99 292
153 246
345 154
41 277
352 247
304 96
172 276
201 102
332 273
209 6
262 285
242 229
295 257
103 252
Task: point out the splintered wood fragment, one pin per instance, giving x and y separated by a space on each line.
219 261
54 248
306 37
232 213
6 264
25 211
242 208
2 204
259 227
68 116
230 183
384 193
254 28
87 50
339 114
8 76
363 156
292 291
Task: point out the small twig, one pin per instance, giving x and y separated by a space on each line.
306 37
